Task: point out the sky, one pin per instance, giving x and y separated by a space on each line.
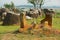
25 2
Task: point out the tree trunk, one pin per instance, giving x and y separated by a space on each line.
34 6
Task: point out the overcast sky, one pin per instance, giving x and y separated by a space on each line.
25 2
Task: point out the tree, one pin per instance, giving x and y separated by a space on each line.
32 2
41 2
12 5
36 2
9 6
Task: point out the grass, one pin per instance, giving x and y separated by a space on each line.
5 29
56 23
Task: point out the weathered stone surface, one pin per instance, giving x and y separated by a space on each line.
11 19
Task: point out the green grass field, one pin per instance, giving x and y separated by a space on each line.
5 30
56 23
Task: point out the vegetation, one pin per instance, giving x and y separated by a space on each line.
9 6
9 32
36 2
5 30
56 25
32 2
41 2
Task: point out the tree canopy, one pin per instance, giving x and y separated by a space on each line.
9 6
36 2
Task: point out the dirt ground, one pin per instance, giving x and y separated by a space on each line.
10 36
